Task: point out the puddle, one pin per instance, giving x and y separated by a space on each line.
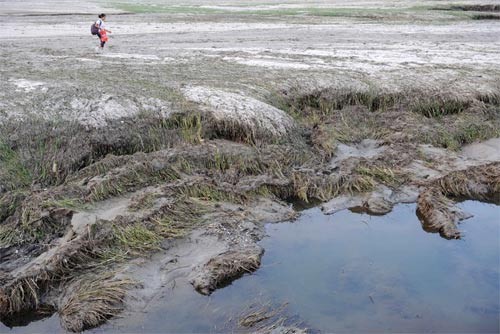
348 272
106 210
27 85
488 150
368 148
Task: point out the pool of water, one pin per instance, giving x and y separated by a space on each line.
349 272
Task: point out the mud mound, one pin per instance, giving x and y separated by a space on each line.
438 214
91 301
479 183
225 268
239 116
488 150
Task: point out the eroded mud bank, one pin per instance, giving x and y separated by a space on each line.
196 201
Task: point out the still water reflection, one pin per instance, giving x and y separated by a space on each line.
350 273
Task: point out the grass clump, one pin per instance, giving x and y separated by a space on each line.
437 107
136 238
189 124
477 8
31 224
8 236
385 175
326 102
489 98
485 17
9 203
462 133
126 180
169 228
352 128
220 162
13 174
242 163
211 193
478 183
92 301
307 187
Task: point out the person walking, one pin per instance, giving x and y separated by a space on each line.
99 29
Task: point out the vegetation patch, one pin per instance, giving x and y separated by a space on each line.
29 224
13 173
325 102
454 136
485 17
437 107
93 300
208 164
479 183
489 98
211 193
472 8
385 175
9 203
225 268
307 186
136 238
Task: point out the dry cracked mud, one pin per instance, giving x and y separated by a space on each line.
161 159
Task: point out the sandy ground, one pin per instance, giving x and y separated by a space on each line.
251 53
405 52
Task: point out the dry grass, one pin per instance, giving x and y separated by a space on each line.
211 193
257 315
307 186
190 125
226 267
389 176
22 295
489 98
194 176
30 223
453 134
136 238
93 300
136 176
477 183
436 213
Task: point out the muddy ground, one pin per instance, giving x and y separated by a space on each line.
160 159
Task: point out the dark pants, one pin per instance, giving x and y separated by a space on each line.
102 43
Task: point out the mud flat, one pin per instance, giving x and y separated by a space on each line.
159 161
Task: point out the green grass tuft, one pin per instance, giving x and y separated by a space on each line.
13 174
438 107
136 238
